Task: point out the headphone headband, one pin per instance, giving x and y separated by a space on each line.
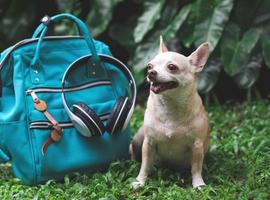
110 60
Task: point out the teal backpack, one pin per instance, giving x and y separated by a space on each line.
65 105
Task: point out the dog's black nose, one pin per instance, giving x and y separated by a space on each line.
152 74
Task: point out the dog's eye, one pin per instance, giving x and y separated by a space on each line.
172 67
149 66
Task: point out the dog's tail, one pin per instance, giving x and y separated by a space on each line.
135 148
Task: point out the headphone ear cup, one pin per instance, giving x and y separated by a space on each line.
89 118
118 116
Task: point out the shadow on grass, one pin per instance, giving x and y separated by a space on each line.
219 167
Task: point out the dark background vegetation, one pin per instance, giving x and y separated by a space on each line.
238 32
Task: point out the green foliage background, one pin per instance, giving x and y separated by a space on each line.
237 31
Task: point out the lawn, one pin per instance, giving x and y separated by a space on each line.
237 166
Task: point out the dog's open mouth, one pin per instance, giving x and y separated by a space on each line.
158 87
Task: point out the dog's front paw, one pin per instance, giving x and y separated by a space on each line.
198 183
137 184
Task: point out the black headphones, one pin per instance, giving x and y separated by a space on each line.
85 120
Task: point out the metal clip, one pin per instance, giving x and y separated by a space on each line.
46 20
57 128
33 95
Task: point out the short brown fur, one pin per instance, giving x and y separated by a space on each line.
175 128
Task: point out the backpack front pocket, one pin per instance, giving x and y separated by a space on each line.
74 152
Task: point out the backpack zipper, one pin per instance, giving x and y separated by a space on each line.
67 124
46 125
67 89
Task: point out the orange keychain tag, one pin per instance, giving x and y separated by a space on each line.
56 132
56 135
40 105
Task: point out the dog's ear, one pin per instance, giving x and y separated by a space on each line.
199 57
162 47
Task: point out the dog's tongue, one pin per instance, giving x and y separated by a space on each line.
156 88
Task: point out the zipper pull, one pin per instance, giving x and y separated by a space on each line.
33 95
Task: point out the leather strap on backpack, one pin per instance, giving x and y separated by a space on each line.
56 132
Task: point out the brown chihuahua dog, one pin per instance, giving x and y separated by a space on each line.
175 129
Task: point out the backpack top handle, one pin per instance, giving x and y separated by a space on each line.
81 27
46 21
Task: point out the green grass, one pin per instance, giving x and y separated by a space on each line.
237 166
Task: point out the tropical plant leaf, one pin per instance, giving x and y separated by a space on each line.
17 22
168 13
122 32
228 42
186 35
266 50
66 27
240 52
211 19
146 22
262 15
256 14
67 6
209 76
177 22
100 15
147 50
246 78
